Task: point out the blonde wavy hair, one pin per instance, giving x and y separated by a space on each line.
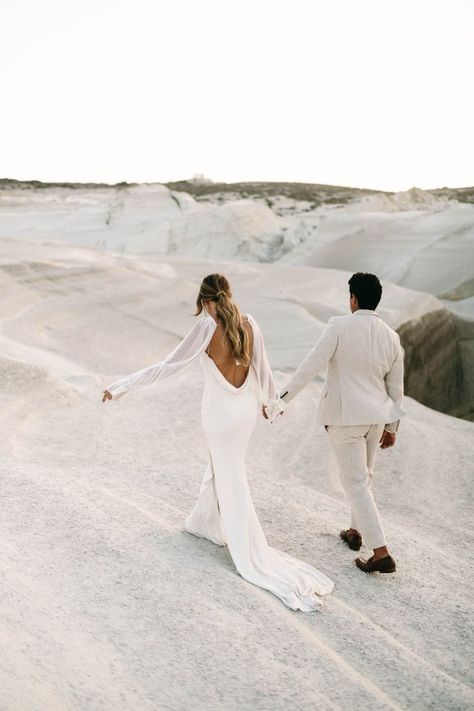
215 287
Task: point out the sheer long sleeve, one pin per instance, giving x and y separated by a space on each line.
192 345
268 391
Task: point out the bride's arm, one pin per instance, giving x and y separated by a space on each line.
192 345
269 395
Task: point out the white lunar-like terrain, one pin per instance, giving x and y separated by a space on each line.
415 239
144 219
106 602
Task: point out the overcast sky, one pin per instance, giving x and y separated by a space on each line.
367 93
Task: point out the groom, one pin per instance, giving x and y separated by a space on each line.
360 407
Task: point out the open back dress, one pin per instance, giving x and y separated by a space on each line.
224 512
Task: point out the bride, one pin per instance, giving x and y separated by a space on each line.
238 381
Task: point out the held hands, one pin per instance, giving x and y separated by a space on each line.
387 439
264 413
106 396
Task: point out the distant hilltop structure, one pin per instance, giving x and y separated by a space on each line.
200 179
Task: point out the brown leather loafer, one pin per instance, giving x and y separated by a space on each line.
353 540
382 565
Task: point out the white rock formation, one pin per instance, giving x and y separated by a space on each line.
145 219
413 239
107 603
428 246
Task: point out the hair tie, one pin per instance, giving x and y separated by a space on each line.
219 294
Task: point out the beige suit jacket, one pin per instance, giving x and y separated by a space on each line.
363 361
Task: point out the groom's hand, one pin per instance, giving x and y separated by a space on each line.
387 439
264 413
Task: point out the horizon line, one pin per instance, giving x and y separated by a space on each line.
209 182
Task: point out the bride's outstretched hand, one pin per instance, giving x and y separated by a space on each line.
106 396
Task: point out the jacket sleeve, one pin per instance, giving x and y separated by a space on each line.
394 384
192 345
314 362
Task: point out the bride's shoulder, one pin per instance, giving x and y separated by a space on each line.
250 325
204 324
248 321
206 318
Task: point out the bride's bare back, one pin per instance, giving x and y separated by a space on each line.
220 351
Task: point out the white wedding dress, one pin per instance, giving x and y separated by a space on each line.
224 512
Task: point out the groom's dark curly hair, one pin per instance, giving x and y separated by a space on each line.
367 288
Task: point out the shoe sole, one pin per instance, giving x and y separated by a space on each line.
372 572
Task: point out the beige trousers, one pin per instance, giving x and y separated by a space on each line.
355 449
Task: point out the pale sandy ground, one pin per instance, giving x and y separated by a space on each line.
108 604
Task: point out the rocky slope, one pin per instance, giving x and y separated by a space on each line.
108 604
418 239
